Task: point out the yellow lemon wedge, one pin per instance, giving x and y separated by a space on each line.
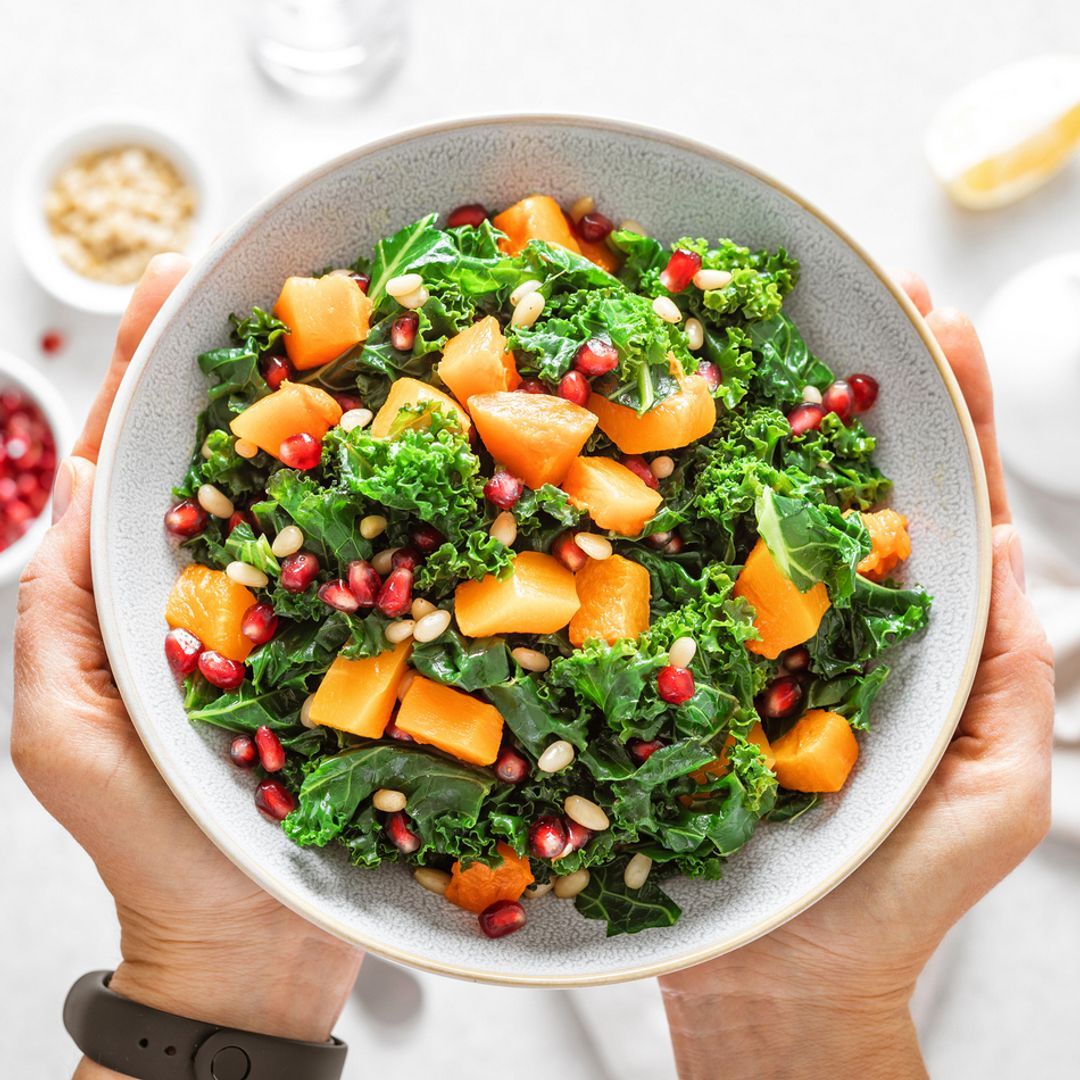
1004 135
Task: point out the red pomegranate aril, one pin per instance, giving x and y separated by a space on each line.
565 549
577 836
531 386
805 417
364 582
643 749
595 227
363 281
573 386
259 623
52 341
399 834
275 370
395 596
839 399
864 389
503 490
219 670
403 331
338 595
547 837
301 451
298 571
680 270
274 799
186 519
710 373
9 489
407 558
796 660
271 752
426 538
245 517
675 684
640 468
348 402
596 357
510 766
182 650
392 731
780 698
242 751
470 214
659 540
501 918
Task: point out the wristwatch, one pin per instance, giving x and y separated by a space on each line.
149 1044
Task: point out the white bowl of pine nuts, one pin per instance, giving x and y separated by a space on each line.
96 201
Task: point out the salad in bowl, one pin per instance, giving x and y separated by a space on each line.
537 556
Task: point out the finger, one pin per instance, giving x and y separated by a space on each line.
916 289
958 340
161 277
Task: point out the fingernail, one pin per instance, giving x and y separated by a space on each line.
1016 561
63 488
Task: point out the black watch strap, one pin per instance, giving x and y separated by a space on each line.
149 1044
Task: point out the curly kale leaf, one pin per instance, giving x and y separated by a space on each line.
216 462
785 364
467 663
329 518
472 559
625 910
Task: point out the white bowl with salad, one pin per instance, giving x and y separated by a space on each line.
574 556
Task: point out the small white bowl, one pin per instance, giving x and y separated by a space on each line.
18 373
35 242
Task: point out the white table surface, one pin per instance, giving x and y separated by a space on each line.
833 97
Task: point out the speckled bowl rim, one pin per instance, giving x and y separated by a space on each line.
264 876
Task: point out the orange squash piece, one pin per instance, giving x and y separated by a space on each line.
480 886
291 409
719 766
358 696
326 317
413 392
678 420
890 542
817 754
451 721
539 597
598 252
614 595
210 605
784 617
614 497
476 362
536 217
533 436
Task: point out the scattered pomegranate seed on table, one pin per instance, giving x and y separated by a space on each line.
301 451
399 834
547 837
274 799
275 370
503 490
219 670
242 751
839 399
298 571
640 468
403 331
502 918
565 549
675 685
680 270
641 749
594 227
470 214
271 752
259 623
596 357
574 387
510 766
27 464
780 698
338 595
395 596
865 390
805 417
182 651
52 341
531 386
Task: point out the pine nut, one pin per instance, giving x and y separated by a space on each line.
523 290
682 652
585 205
305 712
504 528
585 812
245 448
214 501
403 284
667 309
371 526
287 542
530 659
422 607
528 310
431 626
662 467
427 877
415 299
537 889
695 334
568 886
245 574
811 393
205 450
355 418
399 631
406 682
556 756
383 561
706 280
630 225
596 547
388 800
637 871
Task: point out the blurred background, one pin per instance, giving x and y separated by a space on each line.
836 99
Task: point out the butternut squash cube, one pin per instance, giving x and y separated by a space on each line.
326 317
890 543
682 418
451 721
614 595
613 496
817 754
358 696
291 409
210 605
536 217
476 362
478 886
413 392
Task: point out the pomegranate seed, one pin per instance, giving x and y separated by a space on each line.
710 373
595 227
348 402
805 417
274 799
641 750
27 484
780 698
301 451
577 836
510 766
675 684
470 214
186 519
271 752
565 549
245 517
674 545
547 837
364 582
574 387
399 833
407 558
9 489
680 270
596 357
659 540
275 370
403 331
338 595
52 341
865 391
503 490
219 670
242 751
395 596
796 660
839 399
531 386
298 571
392 731
182 651
259 623
363 281
501 918
426 538
640 468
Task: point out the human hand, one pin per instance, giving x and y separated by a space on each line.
198 938
827 993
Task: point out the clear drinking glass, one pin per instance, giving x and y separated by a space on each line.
329 48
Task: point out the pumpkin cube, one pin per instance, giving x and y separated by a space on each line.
358 696
451 721
614 595
613 496
479 886
536 217
326 317
890 543
210 605
291 409
476 362
817 754
413 392
682 418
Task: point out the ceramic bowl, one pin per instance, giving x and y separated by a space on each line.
851 315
